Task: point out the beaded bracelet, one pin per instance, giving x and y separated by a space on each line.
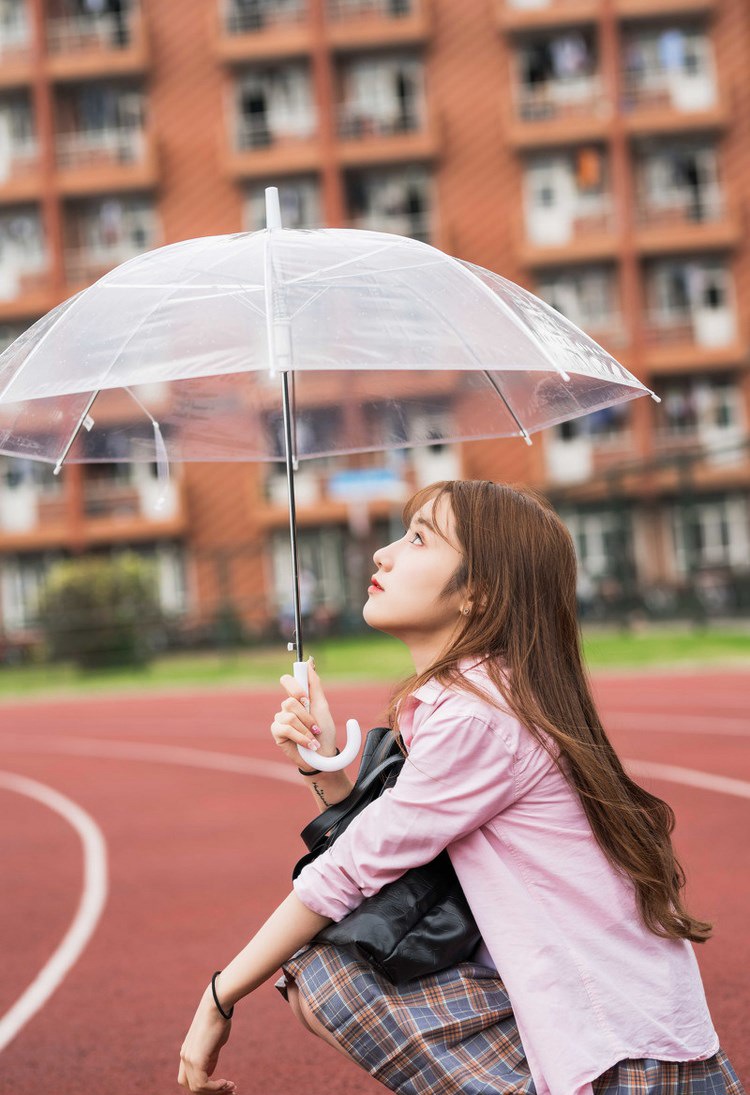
216 998
316 771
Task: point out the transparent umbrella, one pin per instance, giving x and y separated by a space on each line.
285 345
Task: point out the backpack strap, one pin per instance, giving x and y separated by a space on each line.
375 762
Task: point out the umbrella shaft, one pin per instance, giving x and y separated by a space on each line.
292 512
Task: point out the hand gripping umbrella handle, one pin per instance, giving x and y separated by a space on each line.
353 735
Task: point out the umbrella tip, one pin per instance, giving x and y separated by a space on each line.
655 397
273 209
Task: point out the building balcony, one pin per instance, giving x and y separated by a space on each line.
416 226
592 237
682 354
672 107
547 116
685 225
263 33
366 139
577 459
106 160
32 518
21 179
115 512
261 153
320 502
354 25
95 45
26 294
515 15
658 9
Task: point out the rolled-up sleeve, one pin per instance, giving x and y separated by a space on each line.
459 774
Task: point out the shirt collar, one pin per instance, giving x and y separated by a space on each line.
433 689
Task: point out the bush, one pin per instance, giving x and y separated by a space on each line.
101 612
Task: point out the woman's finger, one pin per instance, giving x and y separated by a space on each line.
294 707
294 732
294 688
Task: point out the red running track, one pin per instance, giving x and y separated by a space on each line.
198 820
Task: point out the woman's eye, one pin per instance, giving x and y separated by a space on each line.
420 538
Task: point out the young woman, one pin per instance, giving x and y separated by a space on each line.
585 980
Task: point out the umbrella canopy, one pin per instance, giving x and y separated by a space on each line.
286 345
375 329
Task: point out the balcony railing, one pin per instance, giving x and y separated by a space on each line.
257 133
680 207
660 91
23 159
93 30
355 123
89 148
85 264
559 99
419 226
249 19
365 9
15 283
662 329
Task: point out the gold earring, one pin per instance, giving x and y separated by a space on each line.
466 611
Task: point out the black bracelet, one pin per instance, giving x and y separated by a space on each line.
216 998
316 771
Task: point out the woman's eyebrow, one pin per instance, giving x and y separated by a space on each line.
425 522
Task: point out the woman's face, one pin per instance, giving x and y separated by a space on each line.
412 572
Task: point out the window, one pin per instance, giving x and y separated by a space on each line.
392 201
381 95
584 296
711 532
694 405
17 472
602 539
274 104
607 424
21 582
323 577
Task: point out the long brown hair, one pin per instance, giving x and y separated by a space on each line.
519 570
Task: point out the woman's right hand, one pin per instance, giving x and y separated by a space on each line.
293 724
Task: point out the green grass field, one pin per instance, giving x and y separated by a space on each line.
365 658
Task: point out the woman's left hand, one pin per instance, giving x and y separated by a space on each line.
199 1054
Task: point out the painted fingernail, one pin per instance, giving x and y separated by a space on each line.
315 745
316 729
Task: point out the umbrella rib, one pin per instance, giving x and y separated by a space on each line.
522 428
346 262
525 328
40 343
74 435
517 420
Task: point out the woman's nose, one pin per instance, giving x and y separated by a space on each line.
379 558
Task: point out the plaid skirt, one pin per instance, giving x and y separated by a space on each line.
454 1032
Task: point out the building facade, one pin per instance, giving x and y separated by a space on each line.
595 151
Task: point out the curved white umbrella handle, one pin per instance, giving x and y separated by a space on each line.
353 735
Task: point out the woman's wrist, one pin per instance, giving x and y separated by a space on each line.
317 771
224 1007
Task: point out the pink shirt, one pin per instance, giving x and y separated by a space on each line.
590 985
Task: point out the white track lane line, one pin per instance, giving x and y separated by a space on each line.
229 762
91 905
691 777
667 723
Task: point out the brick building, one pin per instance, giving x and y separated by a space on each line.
596 151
